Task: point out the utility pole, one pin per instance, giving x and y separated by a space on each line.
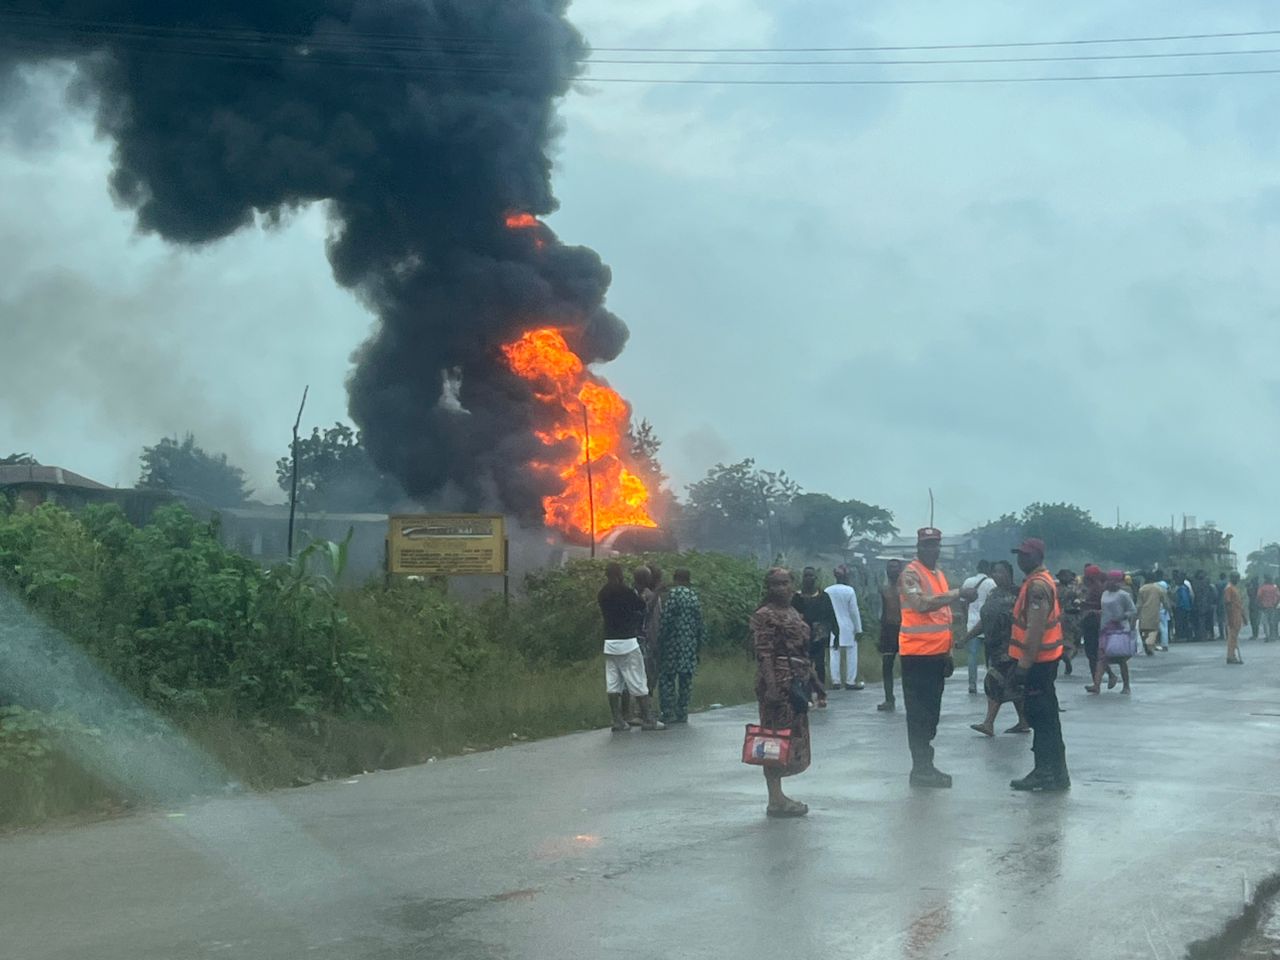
293 486
591 486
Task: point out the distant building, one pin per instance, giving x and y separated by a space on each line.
957 549
261 531
32 485
1204 547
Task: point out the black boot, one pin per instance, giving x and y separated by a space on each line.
1031 781
1040 781
888 706
930 777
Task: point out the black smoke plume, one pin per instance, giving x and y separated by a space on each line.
424 124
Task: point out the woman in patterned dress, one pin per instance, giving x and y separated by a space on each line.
781 641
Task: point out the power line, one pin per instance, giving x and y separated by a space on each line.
509 74
946 46
194 45
930 81
1077 58
412 42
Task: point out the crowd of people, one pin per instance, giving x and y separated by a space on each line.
806 643
653 636
1023 633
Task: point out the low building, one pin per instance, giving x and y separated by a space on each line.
261 531
961 550
31 485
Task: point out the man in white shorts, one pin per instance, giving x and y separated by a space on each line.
623 613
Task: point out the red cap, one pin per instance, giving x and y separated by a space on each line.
1031 545
925 534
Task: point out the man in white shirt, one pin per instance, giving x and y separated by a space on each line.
975 590
844 649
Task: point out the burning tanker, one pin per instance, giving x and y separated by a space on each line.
421 126
586 441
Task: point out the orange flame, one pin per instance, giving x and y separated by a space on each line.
526 221
562 381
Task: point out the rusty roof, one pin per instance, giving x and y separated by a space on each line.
12 475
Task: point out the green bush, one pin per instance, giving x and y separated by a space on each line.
274 676
558 619
186 624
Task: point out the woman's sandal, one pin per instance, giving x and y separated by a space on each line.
792 808
1019 728
983 729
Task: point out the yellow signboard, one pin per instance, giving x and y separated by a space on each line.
447 544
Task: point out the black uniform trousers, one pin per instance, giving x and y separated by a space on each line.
1041 708
923 679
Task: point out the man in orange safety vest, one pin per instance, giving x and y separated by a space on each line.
1036 646
924 647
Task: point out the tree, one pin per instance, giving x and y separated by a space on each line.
181 466
19 460
734 508
997 537
1133 546
822 524
336 474
1064 525
1264 562
645 445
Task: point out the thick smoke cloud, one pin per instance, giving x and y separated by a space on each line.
423 123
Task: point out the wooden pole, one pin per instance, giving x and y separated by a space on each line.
293 486
591 486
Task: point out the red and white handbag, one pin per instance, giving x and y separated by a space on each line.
763 747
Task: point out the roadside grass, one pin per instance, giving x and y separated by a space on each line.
513 704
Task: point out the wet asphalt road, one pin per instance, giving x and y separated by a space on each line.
656 845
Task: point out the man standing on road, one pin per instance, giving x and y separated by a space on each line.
1255 612
1037 647
642 581
1203 603
814 605
1153 600
924 645
1269 604
680 641
976 589
890 624
1233 605
844 642
1221 613
1184 609
623 613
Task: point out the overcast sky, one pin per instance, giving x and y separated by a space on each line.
1006 292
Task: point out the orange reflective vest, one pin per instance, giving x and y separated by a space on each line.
1051 644
925 634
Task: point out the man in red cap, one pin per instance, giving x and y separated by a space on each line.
1036 645
924 646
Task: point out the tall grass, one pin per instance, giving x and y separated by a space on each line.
497 709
